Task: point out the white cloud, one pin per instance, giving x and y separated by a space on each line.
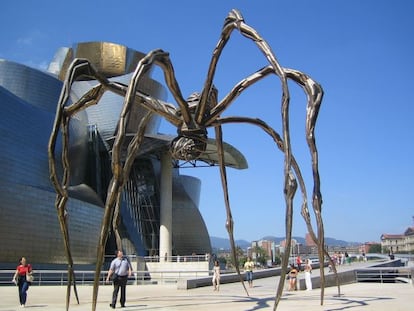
37 65
25 41
32 38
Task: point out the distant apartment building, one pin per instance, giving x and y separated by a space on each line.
309 241
398 243
310 246
409 239
364 248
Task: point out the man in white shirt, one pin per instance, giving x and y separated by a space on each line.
121 269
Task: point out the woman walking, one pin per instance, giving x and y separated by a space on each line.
20 278
216 275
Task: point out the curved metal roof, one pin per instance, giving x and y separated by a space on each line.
154 143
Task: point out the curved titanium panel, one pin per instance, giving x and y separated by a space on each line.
190 235
106 113
38 88
29 226
28 222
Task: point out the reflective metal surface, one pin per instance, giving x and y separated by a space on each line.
28 103
28 224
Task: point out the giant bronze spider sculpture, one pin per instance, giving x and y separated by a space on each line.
192 117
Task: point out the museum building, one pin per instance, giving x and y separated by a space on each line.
28 218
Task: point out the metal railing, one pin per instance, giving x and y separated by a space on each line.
188 258
384 274
52 277
60 277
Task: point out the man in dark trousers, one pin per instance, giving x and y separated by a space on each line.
121 269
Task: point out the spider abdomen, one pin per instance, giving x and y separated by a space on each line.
188 147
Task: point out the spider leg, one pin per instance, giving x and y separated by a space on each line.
162 59
314 93
78 68
132 150
279 142
236 91
115 197
121 170
234 21
229 220
166 110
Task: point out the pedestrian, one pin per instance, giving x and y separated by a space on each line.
364 257
216 275
121 269
299 263
308 273
293 274
347 258
22 278
248 268
341 258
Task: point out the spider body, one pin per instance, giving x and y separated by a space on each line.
192 118
189 145
191 141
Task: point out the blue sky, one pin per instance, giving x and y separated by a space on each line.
360 51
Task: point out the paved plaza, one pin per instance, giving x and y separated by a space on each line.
357 296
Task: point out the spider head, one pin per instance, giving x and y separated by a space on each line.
189 145
194 99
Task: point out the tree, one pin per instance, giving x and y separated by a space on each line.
277 261
375 248
261 256
240 256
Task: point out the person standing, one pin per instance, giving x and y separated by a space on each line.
121 269
216 275
299 263
293 274
19 278
347 258
308 271
248 268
